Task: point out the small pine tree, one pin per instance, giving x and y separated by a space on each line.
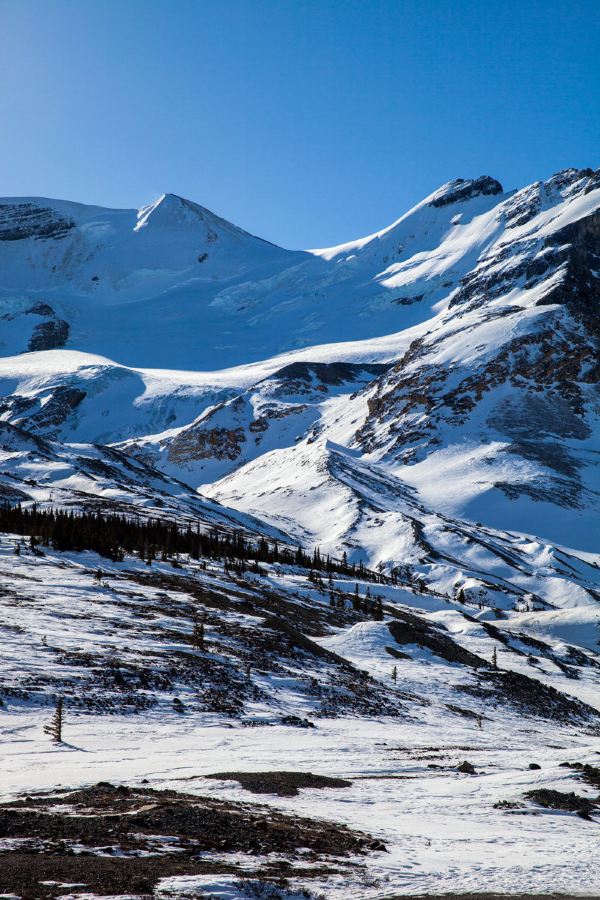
199 635
54 727
395 674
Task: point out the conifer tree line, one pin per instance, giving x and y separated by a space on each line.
113 535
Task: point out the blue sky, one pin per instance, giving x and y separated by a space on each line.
308 122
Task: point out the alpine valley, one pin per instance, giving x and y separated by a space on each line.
320 526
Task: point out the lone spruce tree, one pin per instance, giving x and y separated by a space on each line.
199 634
54 727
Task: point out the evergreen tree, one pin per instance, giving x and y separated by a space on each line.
198 634
54 727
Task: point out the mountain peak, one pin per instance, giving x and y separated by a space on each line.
169 209
462 189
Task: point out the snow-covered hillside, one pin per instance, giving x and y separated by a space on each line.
440 735
423 406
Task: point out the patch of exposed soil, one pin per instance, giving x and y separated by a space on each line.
411 629
120 840
589 774
284 784
532 697
571 802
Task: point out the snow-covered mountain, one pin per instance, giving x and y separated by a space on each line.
490 410
174 286
451 358
423 402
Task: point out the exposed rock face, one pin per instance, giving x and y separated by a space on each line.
273 413
559 357
459 190
579 289
327 373
217 443
49 335
62 403
27 220
47 417
534 388
14 440
562 265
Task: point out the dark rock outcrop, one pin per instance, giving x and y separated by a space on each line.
19 221
50 335
461 189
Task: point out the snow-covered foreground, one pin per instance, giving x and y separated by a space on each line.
440 828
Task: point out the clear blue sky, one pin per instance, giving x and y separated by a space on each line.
308 122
